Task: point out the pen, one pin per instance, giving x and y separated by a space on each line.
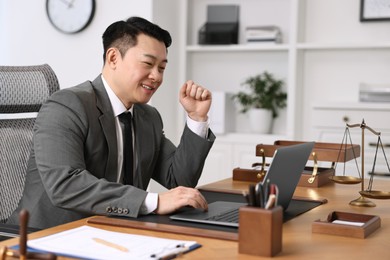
252 195
179 250
110 244
266 191
170 256
259 195
275 190
246 196
272 189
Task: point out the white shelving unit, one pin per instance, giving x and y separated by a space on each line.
223 68
325 54
220 67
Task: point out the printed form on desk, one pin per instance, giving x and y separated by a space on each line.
94 243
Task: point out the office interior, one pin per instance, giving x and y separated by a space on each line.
325 56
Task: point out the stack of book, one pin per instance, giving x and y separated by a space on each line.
374 92
261 34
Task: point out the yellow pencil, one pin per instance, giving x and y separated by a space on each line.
110 244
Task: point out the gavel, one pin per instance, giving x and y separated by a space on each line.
22 253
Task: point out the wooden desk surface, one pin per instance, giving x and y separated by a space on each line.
298 239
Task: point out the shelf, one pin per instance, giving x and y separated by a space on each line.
286 47
353 105
238 47
343 46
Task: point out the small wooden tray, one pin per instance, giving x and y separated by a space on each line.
325 152
371 223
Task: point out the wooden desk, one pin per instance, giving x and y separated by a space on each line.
298 240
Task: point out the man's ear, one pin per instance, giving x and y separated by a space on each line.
112 56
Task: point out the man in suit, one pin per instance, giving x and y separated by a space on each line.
75 168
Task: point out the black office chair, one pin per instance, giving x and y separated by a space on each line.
23 89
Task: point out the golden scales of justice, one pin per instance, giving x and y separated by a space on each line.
368 193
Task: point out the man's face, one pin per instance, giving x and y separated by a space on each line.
139 73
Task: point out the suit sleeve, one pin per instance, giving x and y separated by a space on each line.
182 166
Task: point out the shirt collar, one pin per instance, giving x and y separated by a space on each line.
117 105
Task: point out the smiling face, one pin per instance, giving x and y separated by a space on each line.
137 75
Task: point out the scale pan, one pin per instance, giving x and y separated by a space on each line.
345 179
375 194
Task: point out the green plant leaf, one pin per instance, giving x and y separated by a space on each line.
263 91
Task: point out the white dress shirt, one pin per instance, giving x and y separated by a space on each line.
151 200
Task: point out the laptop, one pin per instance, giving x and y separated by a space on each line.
285 171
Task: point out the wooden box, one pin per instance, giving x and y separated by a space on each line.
369 223
306 180
327 152
260 231
321 178
251 175
322 152
312 176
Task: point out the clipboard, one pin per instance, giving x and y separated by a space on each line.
94 243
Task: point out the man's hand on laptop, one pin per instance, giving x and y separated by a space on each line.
179 197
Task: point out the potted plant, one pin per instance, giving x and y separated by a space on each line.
265 97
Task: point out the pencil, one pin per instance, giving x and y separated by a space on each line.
271 201
110 244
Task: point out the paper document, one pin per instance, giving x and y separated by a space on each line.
94 243
351 223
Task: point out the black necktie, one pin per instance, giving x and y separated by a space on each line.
126 119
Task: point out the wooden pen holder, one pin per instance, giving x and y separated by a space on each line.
260 231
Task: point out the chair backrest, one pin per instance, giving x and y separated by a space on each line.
23 89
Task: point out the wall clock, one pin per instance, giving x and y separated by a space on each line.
70 16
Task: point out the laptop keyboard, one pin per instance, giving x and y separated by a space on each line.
227 216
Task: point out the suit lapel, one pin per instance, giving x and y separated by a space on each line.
107 121
144 146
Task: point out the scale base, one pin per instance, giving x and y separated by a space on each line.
362 202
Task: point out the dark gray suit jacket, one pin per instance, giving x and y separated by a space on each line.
72 171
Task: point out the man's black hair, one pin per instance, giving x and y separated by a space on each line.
123 34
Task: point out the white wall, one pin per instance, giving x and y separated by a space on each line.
166 100
334 75
28 38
